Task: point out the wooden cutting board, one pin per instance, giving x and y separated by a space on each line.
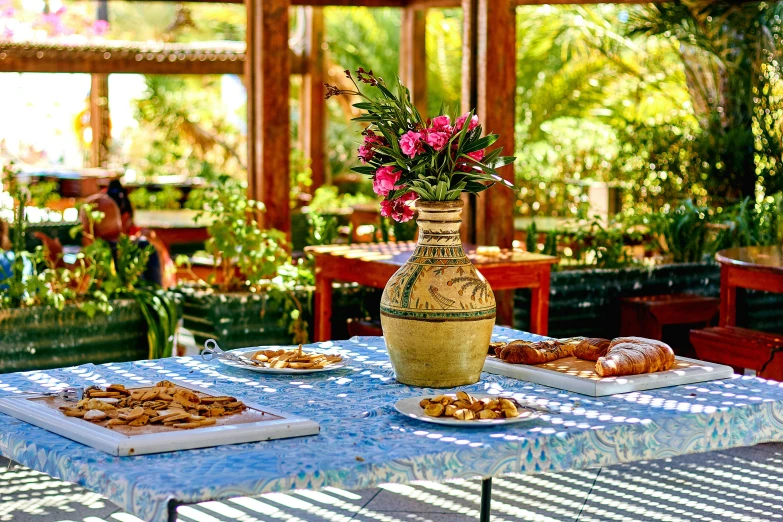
255 423
578 375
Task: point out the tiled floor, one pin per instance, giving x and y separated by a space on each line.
741 485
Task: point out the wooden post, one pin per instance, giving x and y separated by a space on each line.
267 69
496 74
313 105
99 120
489 76
469 101
413 55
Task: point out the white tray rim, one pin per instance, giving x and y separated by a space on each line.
119 444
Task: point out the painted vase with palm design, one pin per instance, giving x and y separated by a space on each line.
437 310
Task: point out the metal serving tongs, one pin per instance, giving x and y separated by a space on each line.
70 394
212 351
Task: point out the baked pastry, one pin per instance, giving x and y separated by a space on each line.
494 348
591 349
634 355
527 352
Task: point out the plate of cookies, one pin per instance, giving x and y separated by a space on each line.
284 360
465 410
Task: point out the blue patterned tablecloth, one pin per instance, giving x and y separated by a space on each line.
364 442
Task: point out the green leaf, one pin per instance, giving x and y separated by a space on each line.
441 189
481 143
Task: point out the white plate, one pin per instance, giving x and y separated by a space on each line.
282 371
410 408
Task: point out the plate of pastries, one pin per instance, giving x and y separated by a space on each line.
613 358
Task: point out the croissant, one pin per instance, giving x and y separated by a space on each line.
634 355
526 352
591 349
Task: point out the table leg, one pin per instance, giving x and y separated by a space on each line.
539 304
728 299
172 509
486 499
323 305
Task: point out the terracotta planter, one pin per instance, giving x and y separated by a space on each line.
437 310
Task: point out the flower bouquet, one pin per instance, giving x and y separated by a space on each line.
437 310
411 158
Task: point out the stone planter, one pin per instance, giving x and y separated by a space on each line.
587 302
42 337
242 319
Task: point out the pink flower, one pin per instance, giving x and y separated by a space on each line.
410 143
436 139
399 209
99 27
441 123
461 122
365 153
384 180
478 155
371 140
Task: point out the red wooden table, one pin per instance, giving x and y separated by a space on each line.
756 268
373 265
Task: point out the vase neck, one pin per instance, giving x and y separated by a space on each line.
439 223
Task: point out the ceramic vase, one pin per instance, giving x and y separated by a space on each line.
437 310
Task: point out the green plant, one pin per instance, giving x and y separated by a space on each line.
43 192
329 199
167 198
245 254
40 278
685 230
604 245
749 224
733 62
322 229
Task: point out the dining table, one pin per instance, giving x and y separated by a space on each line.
373 264
754 268
364 442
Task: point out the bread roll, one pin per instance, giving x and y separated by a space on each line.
591 349
526 352
633 356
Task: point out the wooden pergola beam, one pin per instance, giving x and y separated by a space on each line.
267 72
32 58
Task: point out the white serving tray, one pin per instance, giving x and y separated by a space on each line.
578 376
121 445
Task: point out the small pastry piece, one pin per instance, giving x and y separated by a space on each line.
495 348
591 349
94 415
526 352
633 356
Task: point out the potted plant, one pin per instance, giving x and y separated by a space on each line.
437 310
96 309
587 288
254 294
